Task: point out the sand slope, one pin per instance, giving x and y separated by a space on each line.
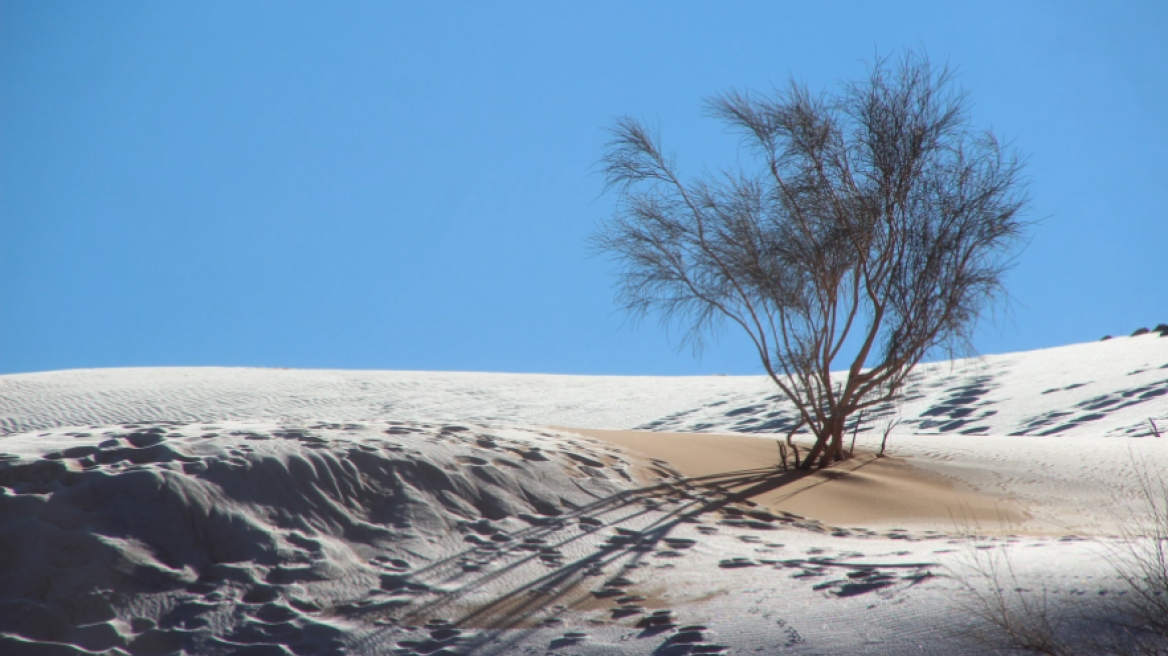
866 491
150 538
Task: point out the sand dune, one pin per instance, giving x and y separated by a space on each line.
218 511
288 522
1101 389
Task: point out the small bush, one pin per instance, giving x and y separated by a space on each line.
1132 623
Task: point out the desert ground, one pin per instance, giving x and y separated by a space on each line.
271 511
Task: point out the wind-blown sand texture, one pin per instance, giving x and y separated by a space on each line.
259 511
867 489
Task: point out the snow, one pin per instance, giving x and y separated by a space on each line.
220 511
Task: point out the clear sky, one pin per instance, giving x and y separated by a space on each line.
409 185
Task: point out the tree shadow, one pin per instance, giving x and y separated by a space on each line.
669 504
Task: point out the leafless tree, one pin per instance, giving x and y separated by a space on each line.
877 220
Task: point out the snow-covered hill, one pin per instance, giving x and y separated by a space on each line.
1106 388
260 511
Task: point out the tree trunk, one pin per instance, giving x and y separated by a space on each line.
815 451
829 445
834 450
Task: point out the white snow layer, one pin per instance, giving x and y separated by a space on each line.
262 511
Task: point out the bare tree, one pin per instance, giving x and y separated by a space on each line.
878 219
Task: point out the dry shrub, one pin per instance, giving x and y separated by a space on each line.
1132 622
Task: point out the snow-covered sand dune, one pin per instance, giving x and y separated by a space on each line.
245 526
260 511
1105 388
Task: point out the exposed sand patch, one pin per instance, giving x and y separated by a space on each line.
866 491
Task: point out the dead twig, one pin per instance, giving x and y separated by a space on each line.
791 443
855 429
887 430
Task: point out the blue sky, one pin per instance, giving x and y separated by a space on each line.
393 185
